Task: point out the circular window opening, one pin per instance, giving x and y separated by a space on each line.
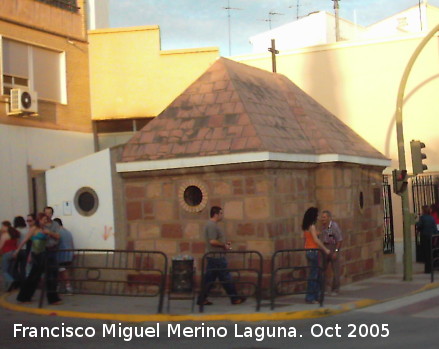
193 196
86 201
361 200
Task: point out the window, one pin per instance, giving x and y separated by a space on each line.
35 68
15 65
86 201
193 196
69 5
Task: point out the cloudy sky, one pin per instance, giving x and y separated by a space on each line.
201 23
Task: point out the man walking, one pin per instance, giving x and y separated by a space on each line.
332 238
217 263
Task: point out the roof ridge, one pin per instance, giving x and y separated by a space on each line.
239 92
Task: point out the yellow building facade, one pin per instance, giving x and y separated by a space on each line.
133 80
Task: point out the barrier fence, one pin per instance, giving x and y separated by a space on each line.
110 273
245 268
145 273
434 255
289 276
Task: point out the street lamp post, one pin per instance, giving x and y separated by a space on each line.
401 156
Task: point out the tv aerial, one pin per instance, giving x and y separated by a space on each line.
228 8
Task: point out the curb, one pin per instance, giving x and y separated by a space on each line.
249 317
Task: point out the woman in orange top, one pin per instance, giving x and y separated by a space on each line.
312 243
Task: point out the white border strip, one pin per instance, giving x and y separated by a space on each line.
137 166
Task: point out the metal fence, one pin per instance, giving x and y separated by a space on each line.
245 268
111 273
424 192
434 255
290 276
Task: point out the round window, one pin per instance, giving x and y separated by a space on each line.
86 201
193 196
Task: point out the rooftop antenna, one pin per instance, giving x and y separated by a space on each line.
297 8
270 14
337 21
228 8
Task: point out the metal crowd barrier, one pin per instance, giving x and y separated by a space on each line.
287 271
434 255
246 270
110 273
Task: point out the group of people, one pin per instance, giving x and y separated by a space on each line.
25 249
329 242
428 226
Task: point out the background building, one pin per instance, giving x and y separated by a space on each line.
318 28
98 14
44 56
358 81
133 80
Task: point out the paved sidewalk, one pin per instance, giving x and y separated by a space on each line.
138 309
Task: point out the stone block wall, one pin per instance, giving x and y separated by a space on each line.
350 192
263 206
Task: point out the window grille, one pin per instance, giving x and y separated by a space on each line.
69 5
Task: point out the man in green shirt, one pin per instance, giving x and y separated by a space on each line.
216 262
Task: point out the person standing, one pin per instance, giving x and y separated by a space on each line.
435 213
312 244
21 260
333 239
8 243
52 246
65 258
51 225
427 228
38 234
217 264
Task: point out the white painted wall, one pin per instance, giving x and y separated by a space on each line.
40 148
319 28
62 183
98 14
405 22
315 29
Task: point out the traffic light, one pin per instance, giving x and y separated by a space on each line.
400 181
417 157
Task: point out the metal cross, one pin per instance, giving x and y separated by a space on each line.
273 51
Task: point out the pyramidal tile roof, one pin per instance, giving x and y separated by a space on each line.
235 108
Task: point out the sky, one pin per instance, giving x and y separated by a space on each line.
204 23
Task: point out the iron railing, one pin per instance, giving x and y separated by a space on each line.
69 5
424 192
112 273
434 255
246 270
289 275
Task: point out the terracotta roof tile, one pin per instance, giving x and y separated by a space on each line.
233 108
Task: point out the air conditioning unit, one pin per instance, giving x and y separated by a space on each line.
23 101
